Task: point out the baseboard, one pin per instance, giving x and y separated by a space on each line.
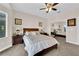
9 46
76 43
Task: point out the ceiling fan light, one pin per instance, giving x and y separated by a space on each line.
50 9
46 9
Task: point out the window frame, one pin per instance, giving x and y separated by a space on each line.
6 25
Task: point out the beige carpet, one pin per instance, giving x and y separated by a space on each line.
64 49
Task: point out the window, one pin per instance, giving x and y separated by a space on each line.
3 24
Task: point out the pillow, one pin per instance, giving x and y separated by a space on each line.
37 32
30 33
26 33
33 33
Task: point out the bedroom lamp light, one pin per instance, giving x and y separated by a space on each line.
17 31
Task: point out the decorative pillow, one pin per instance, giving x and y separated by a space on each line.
37 32
33 33
27 33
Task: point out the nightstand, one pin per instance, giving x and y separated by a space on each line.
18 39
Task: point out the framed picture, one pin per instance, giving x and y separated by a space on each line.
71 22
18 21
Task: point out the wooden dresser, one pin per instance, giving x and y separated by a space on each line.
18 39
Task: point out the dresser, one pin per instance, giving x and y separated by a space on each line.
18 39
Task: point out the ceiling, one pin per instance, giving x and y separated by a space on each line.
65 10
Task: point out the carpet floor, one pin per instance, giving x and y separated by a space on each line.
64 49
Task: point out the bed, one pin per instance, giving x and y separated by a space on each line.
38 44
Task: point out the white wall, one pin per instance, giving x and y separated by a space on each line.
7 41
28 21
72 34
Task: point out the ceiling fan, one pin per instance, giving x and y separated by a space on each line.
49 7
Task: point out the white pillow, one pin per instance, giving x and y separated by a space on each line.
26 33
33 33
37 32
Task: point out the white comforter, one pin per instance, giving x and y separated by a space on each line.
36 43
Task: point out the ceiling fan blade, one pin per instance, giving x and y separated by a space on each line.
55 4
54 9
42 8
46 4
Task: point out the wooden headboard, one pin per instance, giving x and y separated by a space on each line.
30 29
